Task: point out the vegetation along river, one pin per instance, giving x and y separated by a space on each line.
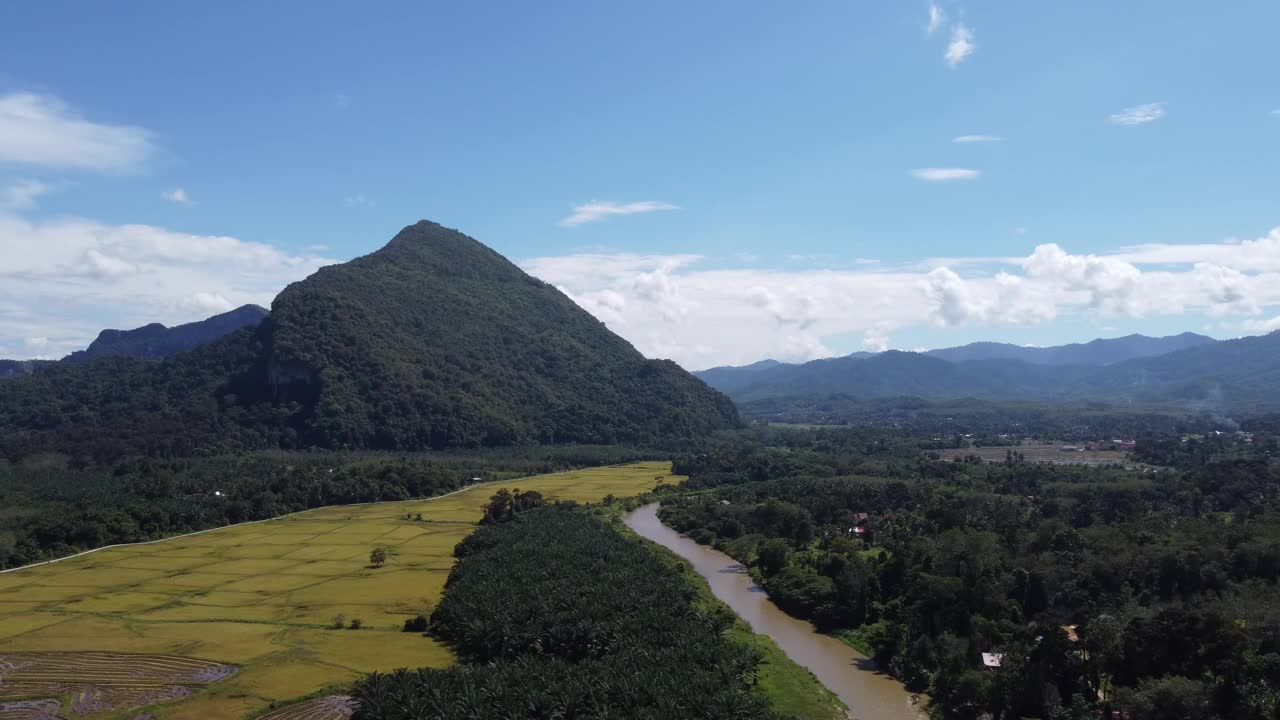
870 695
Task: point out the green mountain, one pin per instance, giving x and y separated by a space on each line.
433 341
156 342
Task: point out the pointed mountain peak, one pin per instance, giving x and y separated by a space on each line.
432 247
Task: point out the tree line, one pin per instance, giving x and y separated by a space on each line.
52 506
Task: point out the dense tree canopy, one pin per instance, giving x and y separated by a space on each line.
557 615
1155 593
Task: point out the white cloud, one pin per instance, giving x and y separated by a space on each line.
945 174
671 306
207 304
1227 290
1138 115
357 200
101 266
41 130
950 298
177 195
936 18
1110 285
1002 300
1260 254
1263 326
594 211
22 194
67 279
961 45
977 139
876 339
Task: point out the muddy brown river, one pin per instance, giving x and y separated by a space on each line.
870 695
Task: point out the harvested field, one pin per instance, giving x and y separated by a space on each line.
100 682
30 710
263 597
334 707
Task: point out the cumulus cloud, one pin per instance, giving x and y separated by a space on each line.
936 18
67 279
43 131
945 174
177 195
1110 285
595 211
1227 290
950 300
22 194
976 139
676 306
1138 115
961 45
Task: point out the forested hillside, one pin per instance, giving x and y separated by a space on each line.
434 341
19 368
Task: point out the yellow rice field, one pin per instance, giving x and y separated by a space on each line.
264 596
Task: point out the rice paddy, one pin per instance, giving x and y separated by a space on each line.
333 707
260 601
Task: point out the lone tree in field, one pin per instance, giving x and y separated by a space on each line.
377 557
506 505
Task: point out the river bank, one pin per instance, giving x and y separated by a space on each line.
869 694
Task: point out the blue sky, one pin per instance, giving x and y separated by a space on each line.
758 179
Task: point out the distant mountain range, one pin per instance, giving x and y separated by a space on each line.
149 342
157 342
434 341
1095 352
1186 370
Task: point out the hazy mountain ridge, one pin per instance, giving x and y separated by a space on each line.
1235 373
156 342
1102 351
149 342
433 341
